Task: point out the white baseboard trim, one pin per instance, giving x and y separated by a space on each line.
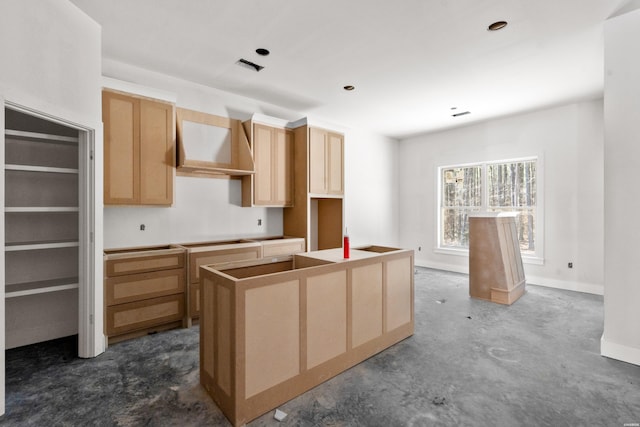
442 266
589 288
619 352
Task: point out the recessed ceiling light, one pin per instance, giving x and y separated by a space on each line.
349 87
262 51
498 25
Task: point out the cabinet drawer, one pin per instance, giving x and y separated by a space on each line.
279 247
135 287
218 256
132 316
130 263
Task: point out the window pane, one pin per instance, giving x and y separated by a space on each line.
511 187
512 184
455 227
462 186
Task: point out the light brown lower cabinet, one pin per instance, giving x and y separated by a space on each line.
274 328
203 253
280 246
206 253
145 291
149 289
194 301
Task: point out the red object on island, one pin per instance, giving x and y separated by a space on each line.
345 244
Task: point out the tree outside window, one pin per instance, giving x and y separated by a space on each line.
461 194
504 186
512 188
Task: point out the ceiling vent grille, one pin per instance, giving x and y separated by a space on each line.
461 114
250 65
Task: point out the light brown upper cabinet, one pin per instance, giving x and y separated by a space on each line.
272 184
326 162
317 214
139 150
212 146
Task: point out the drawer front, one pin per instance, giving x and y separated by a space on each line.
196 259
136 287
141 264
282 247
137 315
194 300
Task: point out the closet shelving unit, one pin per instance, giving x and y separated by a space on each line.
41 234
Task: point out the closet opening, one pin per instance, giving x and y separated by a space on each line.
47 231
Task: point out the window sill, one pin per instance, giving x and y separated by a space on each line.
526 259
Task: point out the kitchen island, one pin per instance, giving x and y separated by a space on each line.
272 329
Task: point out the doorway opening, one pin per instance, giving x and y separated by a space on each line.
48 230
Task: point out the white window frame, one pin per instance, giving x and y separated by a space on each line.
537 257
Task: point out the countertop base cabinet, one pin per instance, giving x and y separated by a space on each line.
145 291
245 250
281 246
272 329
204 253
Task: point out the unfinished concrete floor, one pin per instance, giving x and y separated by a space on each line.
470 363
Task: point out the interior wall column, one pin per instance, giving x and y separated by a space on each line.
621 337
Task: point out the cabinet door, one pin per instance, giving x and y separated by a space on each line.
157 153
317 161
335 163
282 156
194 300
262 152
273 157
121 117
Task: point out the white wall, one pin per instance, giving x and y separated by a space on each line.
51 64
569 142
204 209
210 209
621 338
371 189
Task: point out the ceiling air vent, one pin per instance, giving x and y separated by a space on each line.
460 114
250 65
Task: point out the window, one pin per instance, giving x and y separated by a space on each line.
461 194
502 186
